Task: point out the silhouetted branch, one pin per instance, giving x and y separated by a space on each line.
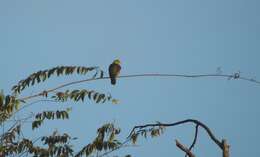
195 138
209 132
222 145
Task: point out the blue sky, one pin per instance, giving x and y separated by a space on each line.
169 36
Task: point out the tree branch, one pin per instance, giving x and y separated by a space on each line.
222 145
195 138
232 76
225 148
209 132
185 149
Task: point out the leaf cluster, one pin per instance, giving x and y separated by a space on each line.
10 136
105 140
43 75
8 104
77 95
50 115
152 132
58 145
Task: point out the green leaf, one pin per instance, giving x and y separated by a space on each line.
17 104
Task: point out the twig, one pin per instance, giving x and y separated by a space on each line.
34 102
185 149
195 138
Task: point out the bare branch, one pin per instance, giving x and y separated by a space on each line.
222 145
195 138
209 132
225 148
185 149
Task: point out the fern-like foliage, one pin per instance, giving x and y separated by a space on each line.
10 145
23 146
77 95
55 138
43 75
50 115
57 145
105 141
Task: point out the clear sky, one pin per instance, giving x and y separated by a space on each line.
167 36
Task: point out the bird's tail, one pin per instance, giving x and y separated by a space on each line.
113 81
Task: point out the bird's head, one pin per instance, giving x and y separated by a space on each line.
117 61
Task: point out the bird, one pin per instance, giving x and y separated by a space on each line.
114 70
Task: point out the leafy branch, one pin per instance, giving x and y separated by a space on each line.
235 76
105 141
57 145
156 129
77 95
43 75
50 115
